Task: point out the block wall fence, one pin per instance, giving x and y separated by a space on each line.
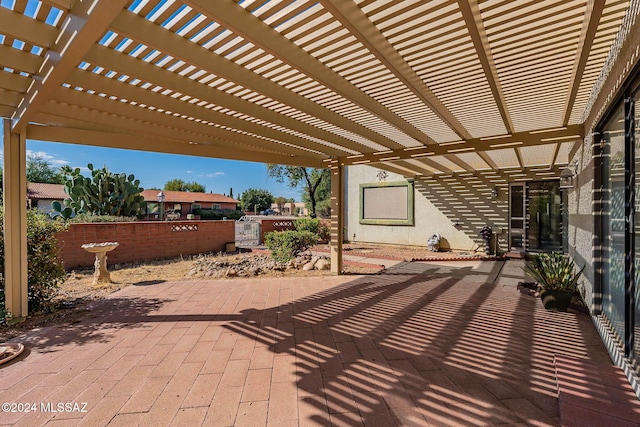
147 240
269 225
144 240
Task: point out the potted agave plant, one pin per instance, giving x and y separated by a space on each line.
556 275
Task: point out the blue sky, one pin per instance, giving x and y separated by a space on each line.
154 169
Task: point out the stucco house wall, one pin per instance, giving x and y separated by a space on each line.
447 206
583 213
584 209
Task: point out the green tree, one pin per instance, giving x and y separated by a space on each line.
255 199
280 201
105 193
39 169
323 199
181 185
308 179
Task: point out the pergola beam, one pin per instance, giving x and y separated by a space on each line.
15 221
352 17
395 169
129 92
65 114
60 4
21 27
337 216
458 161
131 66
84 24
153 35
473 18
476 145
158 145
19 60
587 35
422 163
243 23
14 82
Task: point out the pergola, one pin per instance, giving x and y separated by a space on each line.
417 87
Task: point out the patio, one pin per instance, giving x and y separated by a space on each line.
422 344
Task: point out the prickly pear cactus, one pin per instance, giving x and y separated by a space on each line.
105 193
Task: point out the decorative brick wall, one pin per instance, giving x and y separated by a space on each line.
269 225
145 240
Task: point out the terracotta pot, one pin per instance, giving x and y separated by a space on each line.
556 300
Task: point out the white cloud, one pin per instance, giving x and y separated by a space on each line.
213 175
47 157
189 171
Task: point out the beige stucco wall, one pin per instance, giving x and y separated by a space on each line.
582 216
439 205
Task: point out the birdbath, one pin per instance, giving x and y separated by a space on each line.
100 249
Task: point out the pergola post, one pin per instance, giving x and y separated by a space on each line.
337 216
15 221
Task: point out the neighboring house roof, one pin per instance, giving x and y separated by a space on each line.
42 191
187 197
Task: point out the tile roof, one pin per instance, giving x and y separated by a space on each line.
39 191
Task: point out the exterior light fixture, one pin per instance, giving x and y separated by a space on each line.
567 175
494 193
161 199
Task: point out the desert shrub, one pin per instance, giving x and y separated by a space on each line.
284 245
217 214
233 214
307 224
45 269
324 230
88 217
315 226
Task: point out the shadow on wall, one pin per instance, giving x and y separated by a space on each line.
467 200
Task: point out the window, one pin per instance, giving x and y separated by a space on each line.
216 206
387 203
195 207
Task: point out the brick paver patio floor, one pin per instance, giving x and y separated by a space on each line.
407 347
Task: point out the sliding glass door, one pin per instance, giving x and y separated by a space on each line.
613 221
620 225
544 228
536 219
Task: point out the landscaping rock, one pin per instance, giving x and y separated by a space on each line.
211 266
323 264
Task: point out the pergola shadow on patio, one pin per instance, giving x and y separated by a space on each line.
410 346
